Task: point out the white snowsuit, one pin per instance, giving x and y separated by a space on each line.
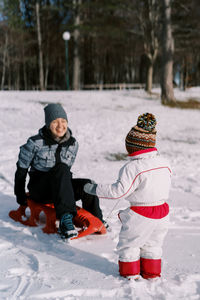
144 181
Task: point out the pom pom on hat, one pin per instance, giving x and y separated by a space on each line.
143 135
146 121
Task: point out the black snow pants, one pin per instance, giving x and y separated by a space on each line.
58 187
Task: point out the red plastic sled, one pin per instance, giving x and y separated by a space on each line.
86 221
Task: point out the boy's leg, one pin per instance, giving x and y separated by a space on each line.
54 186
39 187
89 202
151 251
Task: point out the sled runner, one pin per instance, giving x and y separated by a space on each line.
84 220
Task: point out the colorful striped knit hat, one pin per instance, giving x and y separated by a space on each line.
143 135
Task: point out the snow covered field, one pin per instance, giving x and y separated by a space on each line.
34 265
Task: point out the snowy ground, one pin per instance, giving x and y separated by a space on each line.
34 265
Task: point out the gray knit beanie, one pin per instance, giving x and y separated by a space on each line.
52 112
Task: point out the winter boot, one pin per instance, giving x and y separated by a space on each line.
66 227
150 268
129 269
106 225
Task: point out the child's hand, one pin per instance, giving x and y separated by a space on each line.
90 188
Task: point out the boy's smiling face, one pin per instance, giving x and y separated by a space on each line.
58 127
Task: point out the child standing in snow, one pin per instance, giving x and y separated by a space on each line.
145 182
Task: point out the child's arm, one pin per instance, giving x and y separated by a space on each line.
127 182
24 160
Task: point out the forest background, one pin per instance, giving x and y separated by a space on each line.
147 42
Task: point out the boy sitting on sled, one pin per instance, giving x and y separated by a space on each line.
49 156
145 182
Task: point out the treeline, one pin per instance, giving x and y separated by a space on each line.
112 41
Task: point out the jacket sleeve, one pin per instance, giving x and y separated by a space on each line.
19 186
123 187
26 155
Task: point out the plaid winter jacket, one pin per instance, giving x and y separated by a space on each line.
41 153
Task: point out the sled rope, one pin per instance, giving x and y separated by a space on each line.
110 213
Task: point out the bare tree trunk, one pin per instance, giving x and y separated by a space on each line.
46 75
17 77
25 76
148 17
185 74
39 35
24 69
4 62
149 80
77 63
167 92
9 72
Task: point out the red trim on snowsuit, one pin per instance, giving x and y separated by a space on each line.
129 268
152 212
150 268
142 151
